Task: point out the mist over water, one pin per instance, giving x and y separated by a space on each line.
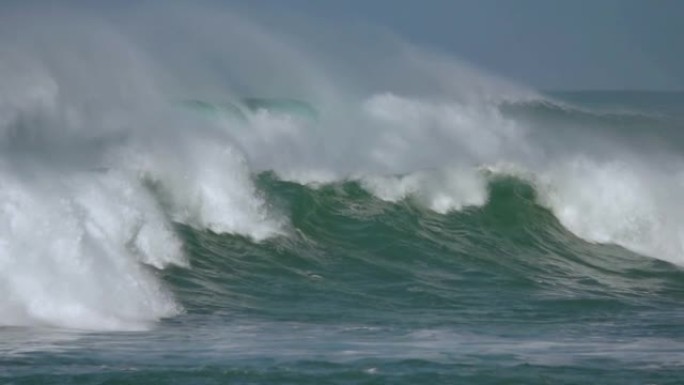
97 152
419 185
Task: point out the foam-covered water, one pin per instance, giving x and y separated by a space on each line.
433 222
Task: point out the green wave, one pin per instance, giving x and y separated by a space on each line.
356 258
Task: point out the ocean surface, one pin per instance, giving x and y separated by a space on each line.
422 223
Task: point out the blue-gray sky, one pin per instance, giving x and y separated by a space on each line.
547 44
559 44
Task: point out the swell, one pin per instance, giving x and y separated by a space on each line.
355 258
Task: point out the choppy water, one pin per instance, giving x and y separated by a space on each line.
432 224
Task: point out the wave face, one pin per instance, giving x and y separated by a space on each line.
430 215
362 258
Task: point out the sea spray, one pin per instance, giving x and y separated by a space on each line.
95 138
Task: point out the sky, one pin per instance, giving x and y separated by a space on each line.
547 44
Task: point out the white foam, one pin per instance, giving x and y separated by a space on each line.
72 248
84 127
208 185
627 202
441 191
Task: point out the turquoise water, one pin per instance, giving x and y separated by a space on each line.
324 213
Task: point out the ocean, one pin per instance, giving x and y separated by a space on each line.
415 223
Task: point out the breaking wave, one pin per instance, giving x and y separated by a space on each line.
100 162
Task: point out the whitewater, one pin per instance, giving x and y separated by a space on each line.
433 223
